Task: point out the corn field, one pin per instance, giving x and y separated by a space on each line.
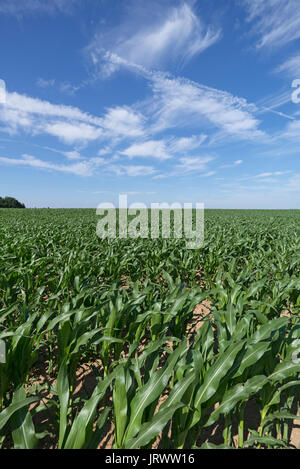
131 344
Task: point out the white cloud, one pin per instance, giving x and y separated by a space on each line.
151 148
179 101
104 151
187 165
70 133
68 123
232 165
14 119
85 168
293 183
291 66
79 169
176 36
42 83
25 105
175 103
271 174
258 181
163 149
22 7
182 103
68 88
274 101
123 121
292 131
135 170
98 161
64 87
72 155
199 163
276 22
184 144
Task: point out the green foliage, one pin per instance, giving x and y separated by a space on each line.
122 309
10 202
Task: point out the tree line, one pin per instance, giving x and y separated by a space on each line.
10 202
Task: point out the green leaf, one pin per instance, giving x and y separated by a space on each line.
150 430
23 431
150 392
266 330
284 370
215 374
63 391
179 390
120 404
7 413
81 432
254 352
239 393
265 440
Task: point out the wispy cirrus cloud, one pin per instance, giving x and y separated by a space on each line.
266 181
275 22
72 132
70 155
29 106
69 124
179 101
134 131
175 103
194 164
164 149
151 148
131 170
42 83
84 168
292 131
21 8
79 169
271 175
293 183
231 165
176 36
291 66
186 144
187 165
274 100
64 87
123 121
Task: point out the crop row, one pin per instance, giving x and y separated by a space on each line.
124 310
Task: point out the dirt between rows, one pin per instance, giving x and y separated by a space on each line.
86 382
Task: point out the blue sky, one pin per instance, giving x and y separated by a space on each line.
167 101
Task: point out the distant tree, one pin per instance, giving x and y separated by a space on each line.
10 202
